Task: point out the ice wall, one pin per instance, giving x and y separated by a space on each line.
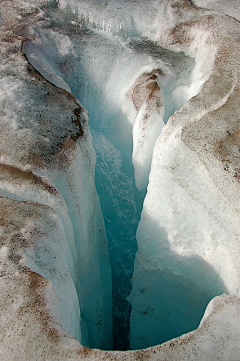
47 157
188 233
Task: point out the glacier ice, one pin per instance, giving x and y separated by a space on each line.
117 133
46 157
159 80
231 9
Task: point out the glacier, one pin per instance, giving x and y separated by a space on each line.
119 180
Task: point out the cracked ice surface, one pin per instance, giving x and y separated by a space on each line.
132 65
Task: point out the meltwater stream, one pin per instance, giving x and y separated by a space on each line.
101 69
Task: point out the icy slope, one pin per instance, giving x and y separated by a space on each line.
188 236
225 7
47 157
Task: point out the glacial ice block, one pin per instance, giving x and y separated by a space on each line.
188 236
46 145
33 240
147 98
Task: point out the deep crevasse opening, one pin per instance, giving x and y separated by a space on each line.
127 83
121 201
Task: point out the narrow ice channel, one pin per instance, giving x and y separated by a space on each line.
106 71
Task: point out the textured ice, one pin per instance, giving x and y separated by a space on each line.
186 223
135 66
225 7
43 161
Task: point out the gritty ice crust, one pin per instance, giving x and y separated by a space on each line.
147 99
45 143
222 6
31 325
191 210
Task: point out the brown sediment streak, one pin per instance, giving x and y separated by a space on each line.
18 175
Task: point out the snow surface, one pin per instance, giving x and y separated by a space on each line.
230 8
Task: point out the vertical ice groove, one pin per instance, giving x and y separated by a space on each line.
92 267
56 263
147 98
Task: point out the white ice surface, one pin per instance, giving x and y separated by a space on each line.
230 8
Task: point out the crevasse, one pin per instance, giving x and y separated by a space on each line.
130 86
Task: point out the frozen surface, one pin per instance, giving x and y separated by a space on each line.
186 223
47 157
135 69
230 8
